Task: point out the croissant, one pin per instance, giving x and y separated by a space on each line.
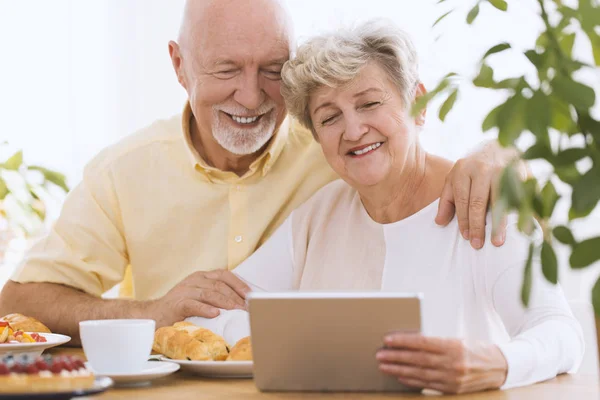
179 345
20 322
217 347
242 351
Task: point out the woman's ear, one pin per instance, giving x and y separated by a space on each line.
420 117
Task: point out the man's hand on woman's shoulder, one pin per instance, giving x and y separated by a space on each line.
470 188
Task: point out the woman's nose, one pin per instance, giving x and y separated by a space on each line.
355 128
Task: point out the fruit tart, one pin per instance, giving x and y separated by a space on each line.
24 374
9 335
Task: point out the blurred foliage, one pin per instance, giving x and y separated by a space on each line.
24 190
554 103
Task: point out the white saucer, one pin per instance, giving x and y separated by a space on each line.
216 369
152 370
34 349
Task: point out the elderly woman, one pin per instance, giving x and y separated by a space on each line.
354 90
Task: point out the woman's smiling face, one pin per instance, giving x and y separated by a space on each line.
365 129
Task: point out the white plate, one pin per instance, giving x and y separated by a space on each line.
216 369
152 370
34 349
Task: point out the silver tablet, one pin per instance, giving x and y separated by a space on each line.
326 341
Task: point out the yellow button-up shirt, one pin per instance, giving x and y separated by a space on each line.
151 202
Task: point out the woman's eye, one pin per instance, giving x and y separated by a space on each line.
328 120
371 104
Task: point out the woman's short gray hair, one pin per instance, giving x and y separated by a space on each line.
336 58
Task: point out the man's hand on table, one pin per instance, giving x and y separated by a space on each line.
446 365
201 294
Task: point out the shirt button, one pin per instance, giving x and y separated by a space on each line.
238 188
238 239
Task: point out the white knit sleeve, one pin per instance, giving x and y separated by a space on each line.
546 339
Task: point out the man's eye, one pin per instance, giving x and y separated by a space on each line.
272 74
229 73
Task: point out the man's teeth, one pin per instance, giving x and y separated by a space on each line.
244 120
366 149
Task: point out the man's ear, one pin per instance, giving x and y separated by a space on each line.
420 118
177 61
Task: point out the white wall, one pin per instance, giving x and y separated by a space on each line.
77 75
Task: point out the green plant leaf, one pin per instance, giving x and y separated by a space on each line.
535 58
496 49
511 187
485 78
499 4
473 14
448 104
585 253
549 199
3 189
52 176
568 174
561 119
570 156
566 43
586 192
14 162
596 298
564 235
491 120
525 222
511 120
437 21
527 278
509 83
537 114
549 263
538 150
590 125
575 93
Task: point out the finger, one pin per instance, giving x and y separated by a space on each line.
421 384
410 372
232 281
408 357
478 203
210 285
193 308
417 342
446 205
216 299
462 191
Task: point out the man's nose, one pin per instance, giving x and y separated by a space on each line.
250 94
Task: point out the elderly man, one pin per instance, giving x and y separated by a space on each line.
185 200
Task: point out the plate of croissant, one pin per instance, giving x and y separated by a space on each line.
26 335
203 352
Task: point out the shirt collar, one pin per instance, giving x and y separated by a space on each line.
262 164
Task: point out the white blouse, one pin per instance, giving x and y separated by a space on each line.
331 243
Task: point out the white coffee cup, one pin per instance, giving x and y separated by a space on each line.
117 346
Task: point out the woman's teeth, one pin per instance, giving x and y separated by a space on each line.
244 120
366 149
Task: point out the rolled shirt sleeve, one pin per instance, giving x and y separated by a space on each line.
85 248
